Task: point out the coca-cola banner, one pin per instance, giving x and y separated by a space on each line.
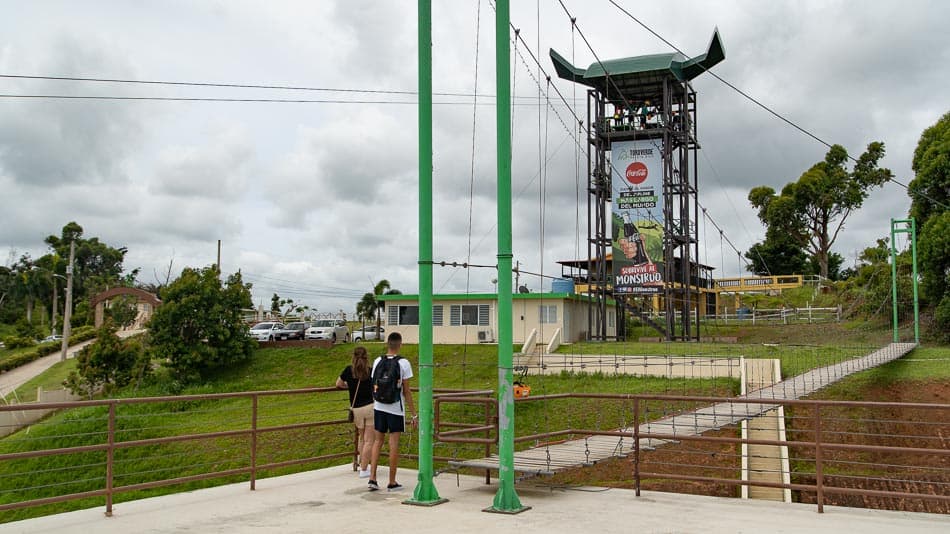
637 216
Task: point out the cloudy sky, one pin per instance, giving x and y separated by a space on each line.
316 201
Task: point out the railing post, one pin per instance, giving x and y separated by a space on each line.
253 442
819 477
356 448
488 412
110 457
636 444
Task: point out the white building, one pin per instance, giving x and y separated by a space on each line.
473 318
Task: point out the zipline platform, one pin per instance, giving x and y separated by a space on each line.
550 459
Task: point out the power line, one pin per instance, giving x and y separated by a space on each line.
351 90
243 100
757 102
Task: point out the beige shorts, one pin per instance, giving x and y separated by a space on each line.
363 416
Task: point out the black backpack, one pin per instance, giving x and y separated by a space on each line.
386 380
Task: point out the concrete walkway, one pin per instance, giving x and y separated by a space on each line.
15 378
335 500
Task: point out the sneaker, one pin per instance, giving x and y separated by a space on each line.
373 486
364 474
394 487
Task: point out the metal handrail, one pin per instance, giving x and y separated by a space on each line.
458 435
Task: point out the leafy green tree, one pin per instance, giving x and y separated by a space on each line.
97 265
777 254
812 211
199 326
123 310
930 195
108 364
930 189
934 251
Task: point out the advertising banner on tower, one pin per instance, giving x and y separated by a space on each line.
637 216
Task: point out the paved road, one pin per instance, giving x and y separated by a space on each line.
15 378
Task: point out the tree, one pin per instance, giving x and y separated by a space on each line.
123 311
366 308
777 254
97 265
813 210
108 363
382 288
930 195
199 326
930 189
934 254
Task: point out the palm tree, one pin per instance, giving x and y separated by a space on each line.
382 288
366 308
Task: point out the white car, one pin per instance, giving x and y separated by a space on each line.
266 331
369 333
330 329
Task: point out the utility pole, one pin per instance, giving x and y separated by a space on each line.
52 323
218 265
68 312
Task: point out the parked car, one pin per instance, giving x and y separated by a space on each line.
266 331
54 337
332 329
294 330
369 333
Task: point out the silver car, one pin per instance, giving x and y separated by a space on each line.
330 329
266 331
369 333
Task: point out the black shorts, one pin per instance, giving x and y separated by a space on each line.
386 422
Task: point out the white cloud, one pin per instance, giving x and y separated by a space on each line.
318 201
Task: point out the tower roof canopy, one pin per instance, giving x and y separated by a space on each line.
644 70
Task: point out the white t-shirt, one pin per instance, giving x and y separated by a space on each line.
405 373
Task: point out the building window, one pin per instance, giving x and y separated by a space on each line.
611 319
547 313
468 314
405 315
437 315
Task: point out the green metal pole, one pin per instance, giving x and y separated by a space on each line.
894 279
425 492
913 254
506 499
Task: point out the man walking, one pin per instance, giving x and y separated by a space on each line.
392 398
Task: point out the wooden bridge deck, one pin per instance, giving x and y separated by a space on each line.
549 459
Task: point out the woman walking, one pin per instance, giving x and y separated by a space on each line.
356 378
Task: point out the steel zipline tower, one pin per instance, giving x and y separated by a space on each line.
643 242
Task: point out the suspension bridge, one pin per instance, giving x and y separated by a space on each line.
550 459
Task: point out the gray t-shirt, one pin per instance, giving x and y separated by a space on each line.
405 373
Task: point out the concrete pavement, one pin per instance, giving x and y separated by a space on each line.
335 500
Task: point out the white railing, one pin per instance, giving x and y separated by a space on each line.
807 314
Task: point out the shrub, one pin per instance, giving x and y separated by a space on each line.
107 364
18 342
199 326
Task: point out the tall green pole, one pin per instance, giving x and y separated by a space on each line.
905 226
506 499
894 278
913 255
425 492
